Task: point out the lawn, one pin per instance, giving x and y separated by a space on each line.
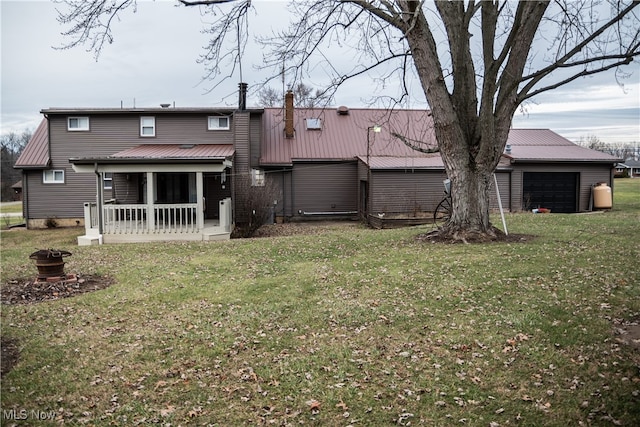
350 326
7 214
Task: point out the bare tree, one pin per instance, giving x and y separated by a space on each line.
11 145
304 96
620 150
474 60
256 205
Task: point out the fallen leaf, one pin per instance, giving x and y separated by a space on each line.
342 405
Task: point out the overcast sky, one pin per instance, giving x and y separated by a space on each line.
153 61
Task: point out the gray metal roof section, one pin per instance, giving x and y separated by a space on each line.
36 153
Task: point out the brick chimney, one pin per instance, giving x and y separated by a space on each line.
288 115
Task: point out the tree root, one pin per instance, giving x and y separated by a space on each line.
456 235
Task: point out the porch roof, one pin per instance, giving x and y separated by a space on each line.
164 153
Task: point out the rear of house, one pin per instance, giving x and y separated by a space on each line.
179 160
170 173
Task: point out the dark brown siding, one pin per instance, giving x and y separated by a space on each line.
281 179
504 179
241 161
325 187
108 134
588 174
255 136
406 192
126 188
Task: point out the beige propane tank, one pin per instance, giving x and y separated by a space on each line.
602 196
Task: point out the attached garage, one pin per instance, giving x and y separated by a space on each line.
557 191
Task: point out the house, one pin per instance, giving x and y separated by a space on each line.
138 174
145 174
628 169
358 161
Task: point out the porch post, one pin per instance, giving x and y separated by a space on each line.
99 199
151 220
200 200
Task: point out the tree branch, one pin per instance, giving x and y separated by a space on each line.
415 144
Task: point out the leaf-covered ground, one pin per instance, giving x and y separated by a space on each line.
347 326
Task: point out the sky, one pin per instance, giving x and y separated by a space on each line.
153 60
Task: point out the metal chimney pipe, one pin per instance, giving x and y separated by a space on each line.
242 91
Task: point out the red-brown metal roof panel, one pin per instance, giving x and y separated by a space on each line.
344 137
177 151
36 152
546 145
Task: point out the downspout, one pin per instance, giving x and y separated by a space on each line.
25 195
284 197
98 196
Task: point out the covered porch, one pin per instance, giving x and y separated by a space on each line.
158 196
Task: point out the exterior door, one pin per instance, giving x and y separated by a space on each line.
557 191
217 186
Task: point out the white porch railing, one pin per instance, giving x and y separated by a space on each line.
164 219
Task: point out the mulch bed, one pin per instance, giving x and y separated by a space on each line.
30 291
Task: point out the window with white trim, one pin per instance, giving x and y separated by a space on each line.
147 126
219 123
77 123
54 176
107 179
257 178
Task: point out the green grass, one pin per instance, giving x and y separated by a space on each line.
350 327
10 207
9 220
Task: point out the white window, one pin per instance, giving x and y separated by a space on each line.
53 176
147 126
77 123
107 178
257 178
218 123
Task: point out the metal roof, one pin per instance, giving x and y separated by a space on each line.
543 145
177 151
152 110
36 153
164 153
344 136
380 162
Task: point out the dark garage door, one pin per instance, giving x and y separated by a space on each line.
553 190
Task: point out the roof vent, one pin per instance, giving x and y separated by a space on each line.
343 110
187 146
507 149
165 105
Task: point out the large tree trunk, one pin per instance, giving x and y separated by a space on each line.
471 135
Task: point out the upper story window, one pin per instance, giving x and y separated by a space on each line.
53 176
147 126
77 123
219 123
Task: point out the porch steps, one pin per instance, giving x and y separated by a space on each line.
215 235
